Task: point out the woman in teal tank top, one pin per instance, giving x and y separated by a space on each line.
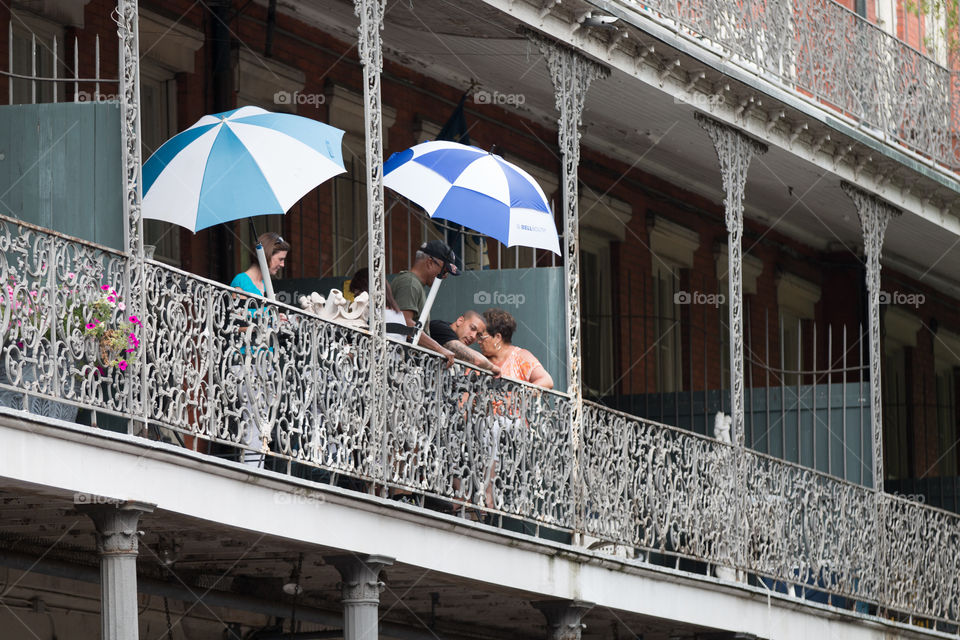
254 439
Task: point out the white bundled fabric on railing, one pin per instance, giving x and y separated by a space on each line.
336 308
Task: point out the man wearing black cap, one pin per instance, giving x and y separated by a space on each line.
433 260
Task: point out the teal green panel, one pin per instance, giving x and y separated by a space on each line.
805 422
6 166
838 435
19 149
61 168
535 298
65 172
108 192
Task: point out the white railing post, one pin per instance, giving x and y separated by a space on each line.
734 152
874 215
369 43
572 74
134 275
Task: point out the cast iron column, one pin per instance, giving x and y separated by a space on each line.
874 215
117 539
563 618
360 592
370 13
734 151
134 277
572 74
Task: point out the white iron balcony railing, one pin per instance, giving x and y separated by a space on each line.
215 368
821 50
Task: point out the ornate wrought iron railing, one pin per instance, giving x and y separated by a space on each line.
49 283
822 50
273 386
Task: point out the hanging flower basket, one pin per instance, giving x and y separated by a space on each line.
115 333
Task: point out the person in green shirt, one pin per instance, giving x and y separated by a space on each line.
433 260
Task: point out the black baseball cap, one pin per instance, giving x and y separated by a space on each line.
439 250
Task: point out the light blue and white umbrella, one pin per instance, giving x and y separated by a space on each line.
237 164
477 189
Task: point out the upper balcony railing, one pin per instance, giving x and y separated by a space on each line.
288 391
827 53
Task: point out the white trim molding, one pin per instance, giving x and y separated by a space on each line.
345 111
752 268
900 329
946 350
605 215
169 44
797 296
673 243
259 80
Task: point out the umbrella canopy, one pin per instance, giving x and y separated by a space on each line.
237 164
475 188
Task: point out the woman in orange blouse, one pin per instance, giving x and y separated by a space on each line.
513 361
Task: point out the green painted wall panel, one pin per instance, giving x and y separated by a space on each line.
61 168
108 191
534 297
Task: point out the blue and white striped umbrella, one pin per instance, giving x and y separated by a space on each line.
237 164
474 188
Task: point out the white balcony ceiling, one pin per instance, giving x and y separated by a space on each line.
636 123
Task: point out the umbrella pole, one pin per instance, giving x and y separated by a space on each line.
264 269
434 288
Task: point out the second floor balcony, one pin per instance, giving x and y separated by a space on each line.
275 388
228 387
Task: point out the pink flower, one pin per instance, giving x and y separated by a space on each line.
71 275
91 325
105 288
111 299
122 365
134 319
121 306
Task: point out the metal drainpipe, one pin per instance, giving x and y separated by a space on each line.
221 261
